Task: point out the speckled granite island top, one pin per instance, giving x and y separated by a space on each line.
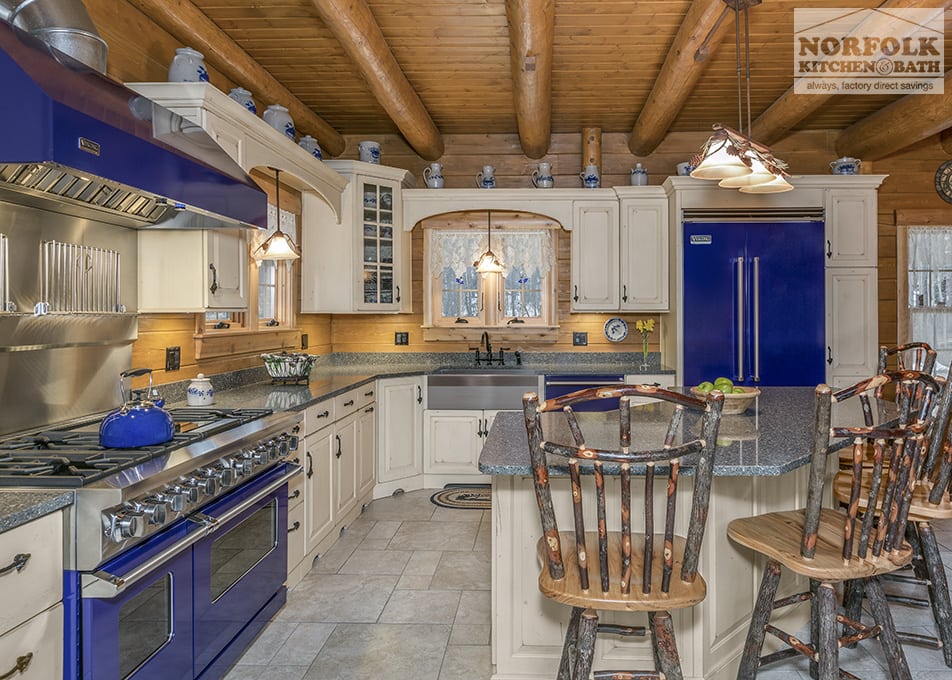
19 507
773 437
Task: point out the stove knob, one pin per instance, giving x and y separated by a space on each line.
272 448
207 485
224 475
190 492
241 465
284 445
128 525
153 509
256 456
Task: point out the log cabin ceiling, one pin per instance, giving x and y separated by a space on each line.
427 68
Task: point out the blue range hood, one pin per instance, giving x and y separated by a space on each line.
74 141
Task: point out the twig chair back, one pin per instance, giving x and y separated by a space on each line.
655 571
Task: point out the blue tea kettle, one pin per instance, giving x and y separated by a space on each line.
138 422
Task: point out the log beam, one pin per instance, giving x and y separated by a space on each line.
898 125
701 32
790 108
187 23
531 34
354 26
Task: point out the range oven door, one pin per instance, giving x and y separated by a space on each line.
143 630
240 566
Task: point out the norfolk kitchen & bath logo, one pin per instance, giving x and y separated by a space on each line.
868 51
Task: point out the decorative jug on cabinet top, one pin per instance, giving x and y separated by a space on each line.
639 176
433 176
278 117
188 66
310 145
485 179
369 152
200 392
846 166
590 178
542 176
243 97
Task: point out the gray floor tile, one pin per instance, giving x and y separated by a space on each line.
456 515
267 643
375 562
423 562
463 571
467 663
475 607
413 505
334 598
414 535
466 634
414 581
269 672
358 652
375 543
383 529
303 645
421 606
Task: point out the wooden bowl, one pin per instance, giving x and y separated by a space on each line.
734 403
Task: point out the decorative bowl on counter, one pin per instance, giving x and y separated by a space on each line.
285 366
734 402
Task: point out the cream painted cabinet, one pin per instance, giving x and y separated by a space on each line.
193 270
31 619
362 263
453 440
851 308
595 256
851 228
344 442
400 429
366 450
319 479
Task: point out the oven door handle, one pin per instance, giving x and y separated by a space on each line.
103 585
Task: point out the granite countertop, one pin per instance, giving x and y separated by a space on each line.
772 437
19 507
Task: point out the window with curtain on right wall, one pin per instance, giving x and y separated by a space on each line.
924 287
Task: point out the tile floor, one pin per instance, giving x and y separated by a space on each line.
405 594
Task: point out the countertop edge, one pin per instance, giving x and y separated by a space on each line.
20 506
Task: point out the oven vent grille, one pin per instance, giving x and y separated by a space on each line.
78 278
6 304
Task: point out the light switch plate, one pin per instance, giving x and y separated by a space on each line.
401 338
579 338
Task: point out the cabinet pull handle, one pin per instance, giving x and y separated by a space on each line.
296 494
293 527
19 561
369 409
419 395
339 452
310 465
575 296
349 402
829 249
323 414
213 288
829 355
23 662
369 394
398 293
624 293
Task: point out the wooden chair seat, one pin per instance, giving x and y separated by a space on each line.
568 590
778 535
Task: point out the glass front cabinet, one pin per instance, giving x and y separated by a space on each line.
361 263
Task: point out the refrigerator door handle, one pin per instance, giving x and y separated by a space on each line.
756 321
740 319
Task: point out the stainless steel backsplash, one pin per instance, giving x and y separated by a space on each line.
59 366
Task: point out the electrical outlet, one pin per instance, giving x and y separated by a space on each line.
303 340
579 338
173 358
401 338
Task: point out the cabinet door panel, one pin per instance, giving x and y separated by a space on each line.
595 256
852 322
644 255
42 636
851 228
227 271
39 583
452 441
344 450
400 422
319 476
366 449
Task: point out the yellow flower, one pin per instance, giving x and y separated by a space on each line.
644 326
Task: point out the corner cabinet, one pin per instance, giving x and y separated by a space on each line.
400 440
210 270
360 264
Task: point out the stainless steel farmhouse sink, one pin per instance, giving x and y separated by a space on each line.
467 389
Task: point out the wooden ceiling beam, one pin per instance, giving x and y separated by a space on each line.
192 27
700 33
354 26
898 125
531 36
781 117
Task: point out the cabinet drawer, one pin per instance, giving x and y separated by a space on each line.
39 584
366 394
41 636
319 415
296 535
296 487
347 403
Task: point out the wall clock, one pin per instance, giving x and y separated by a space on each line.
943 181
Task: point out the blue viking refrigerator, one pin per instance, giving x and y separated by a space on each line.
753 302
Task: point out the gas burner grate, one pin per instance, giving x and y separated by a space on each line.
68 467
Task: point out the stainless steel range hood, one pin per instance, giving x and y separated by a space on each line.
76 142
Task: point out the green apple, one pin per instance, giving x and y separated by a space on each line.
724 384
705 386
738 390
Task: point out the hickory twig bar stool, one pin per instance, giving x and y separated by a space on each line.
833 546
593 570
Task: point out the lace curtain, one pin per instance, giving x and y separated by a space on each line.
930 290
527 251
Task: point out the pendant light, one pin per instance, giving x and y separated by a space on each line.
731 156
488 263
279 245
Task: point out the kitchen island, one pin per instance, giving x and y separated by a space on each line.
760 466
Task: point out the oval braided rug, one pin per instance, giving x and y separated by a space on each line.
464 497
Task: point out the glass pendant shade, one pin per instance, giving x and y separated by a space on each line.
759 174
488 263
279 245
718 163
777 185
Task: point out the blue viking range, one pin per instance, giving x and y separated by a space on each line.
176 551
753 301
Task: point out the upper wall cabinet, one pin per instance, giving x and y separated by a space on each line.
851 228
360 264
245 137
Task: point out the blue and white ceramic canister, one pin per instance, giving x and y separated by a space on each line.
310 145
433 176
486 178
243 97
542 176
639 176
200 392
845 166
278 117
188 66
369 152
590 178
